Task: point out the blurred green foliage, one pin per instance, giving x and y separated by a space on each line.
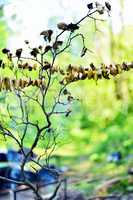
3 30
101 121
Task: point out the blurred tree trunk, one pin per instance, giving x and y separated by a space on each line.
121 83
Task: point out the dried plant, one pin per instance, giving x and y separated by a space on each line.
33 78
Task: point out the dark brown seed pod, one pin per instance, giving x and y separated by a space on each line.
92 66
72 27
40 47
118 68
68 113
13 83
57 44
84 50
124 66
47 48
113 70
6 82
46 66
69 69
65 92
36 83
90 6
1 61
47 34
3 65
44 33
69 98
10 56
25 65
5 51
26 42
62 82
30 82
20 66
0 84
84 76
34 52
62 72
25 83
62 26
105 75
105 71
108 6
50 32
20 83
29 68
18 53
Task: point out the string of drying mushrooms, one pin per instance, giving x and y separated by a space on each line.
72 74
91 72
9 84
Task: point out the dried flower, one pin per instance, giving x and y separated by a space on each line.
62 72
92 66
65 92
18 53
5 51
84 50
57 44
108 6
1 61
90 6
40 47
3 65
100 8
46 66
69 98
68 113
26 42
47 48
72 27
47 34
10 56
62 26
34 52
